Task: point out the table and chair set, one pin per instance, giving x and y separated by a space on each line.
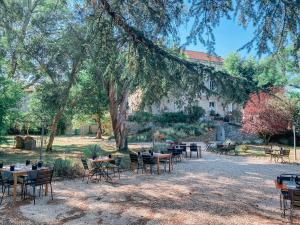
289 186
146 161
26 175
278 154
101 167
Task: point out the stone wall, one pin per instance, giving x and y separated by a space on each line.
234 133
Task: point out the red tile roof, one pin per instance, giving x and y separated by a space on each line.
202 56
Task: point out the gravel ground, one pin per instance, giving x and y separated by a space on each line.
215 189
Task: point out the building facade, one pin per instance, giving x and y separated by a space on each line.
211 104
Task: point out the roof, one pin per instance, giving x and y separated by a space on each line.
202 56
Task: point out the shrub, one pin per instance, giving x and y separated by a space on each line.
66 168
94 151
172 117
195 113
191 130
141 117
244 148
160 147
140 137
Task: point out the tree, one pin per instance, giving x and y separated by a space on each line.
263 118
10 95
246 70
90 97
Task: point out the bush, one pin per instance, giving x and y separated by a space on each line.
66 168
141 117
244 148
140 137
172 117
191 130
195 113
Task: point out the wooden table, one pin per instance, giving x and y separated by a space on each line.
17 173
102 160
159 156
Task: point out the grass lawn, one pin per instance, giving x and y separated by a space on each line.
258 151
65 147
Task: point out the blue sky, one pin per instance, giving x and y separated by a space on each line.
229 38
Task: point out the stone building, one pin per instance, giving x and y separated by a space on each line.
210 104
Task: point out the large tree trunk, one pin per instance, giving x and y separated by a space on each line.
99 130
117 109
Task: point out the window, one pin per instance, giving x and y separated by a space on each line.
212 85
211 105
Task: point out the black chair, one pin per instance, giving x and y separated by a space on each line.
6 182
284 154
284 194
176 154
135 162
194 148
148 160
183 148
295 202
88 171
43 177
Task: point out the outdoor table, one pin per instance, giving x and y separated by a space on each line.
100 161
159 156
20 170
286 189
198 148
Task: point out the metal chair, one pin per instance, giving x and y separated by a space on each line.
284 194
194 148
295 202
135 162
88 171
284 154
6 182
183 148
43 177
148 160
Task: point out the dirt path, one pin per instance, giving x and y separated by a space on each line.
212 190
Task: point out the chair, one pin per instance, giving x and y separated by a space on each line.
148 160
295 202
43 177
114 166
135 162
6 181
88 171
284 194
183 148
194 148
269 151
284 154
176 154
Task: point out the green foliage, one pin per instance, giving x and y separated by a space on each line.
271 73
94 151
246 70
243 148
194 113
140 117
190 130
10 95
172 117
66 168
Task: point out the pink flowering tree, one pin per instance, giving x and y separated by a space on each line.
263 117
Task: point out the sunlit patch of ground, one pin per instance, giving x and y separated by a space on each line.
216 189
